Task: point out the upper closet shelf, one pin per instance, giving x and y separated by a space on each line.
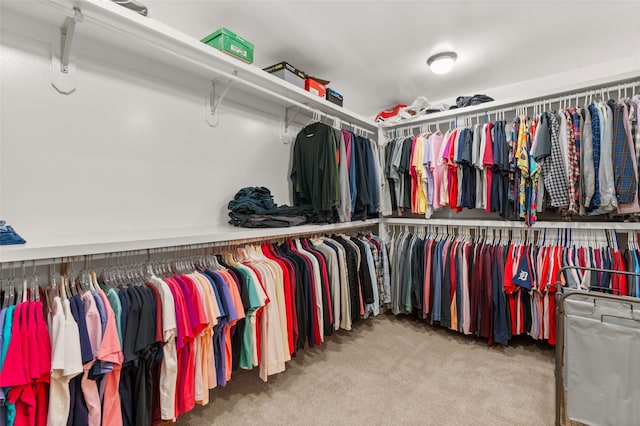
122 29
522 99
69 246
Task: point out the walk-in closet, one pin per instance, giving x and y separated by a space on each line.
304 212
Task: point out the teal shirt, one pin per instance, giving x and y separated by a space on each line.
6 338
6 334
246 353
114 301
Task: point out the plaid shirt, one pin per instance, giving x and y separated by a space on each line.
634 117
384 274
575 117
595 130
555 176
377 260
624 173
574 171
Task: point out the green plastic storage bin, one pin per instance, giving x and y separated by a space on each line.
229 42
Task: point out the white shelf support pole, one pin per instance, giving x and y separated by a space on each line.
212 114
63 71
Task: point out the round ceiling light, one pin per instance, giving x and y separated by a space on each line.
441 63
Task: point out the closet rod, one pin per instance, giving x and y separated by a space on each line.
513 105
616 226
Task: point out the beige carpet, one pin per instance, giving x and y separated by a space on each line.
394 371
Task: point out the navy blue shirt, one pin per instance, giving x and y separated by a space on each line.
78 411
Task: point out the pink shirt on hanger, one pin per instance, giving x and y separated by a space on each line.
90 387
110 351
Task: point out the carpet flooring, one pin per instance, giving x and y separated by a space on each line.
392 370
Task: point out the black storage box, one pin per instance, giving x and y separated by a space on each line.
287 72
334 97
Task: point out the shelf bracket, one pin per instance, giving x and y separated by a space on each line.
63 71
212 113
287 122
285 137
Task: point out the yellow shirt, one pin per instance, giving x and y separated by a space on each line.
420 203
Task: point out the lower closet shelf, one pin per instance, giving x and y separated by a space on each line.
88 244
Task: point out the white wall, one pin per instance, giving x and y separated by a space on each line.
558 82
125 152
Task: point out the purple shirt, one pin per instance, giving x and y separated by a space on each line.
101 310
426 161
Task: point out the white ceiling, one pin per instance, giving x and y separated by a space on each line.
374 52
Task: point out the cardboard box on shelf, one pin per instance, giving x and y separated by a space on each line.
334 97
229 42
288 72
313 86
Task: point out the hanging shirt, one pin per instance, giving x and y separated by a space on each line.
623 155
344 209
116 306
314 172
608 201
435 168
111 352
65 361
573 172
488 163
169 366
350 157
555 175
633 206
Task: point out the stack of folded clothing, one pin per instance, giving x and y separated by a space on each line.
8 236
465 101
253 207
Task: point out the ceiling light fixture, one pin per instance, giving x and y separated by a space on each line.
441 63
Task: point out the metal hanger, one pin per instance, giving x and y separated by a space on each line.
7 292
24 290
35 286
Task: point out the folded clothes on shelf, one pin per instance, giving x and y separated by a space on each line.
465 101
256 199
264 220
8 236
253 207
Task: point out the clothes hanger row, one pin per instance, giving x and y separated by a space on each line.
18 289
66 277
566 237
336 122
